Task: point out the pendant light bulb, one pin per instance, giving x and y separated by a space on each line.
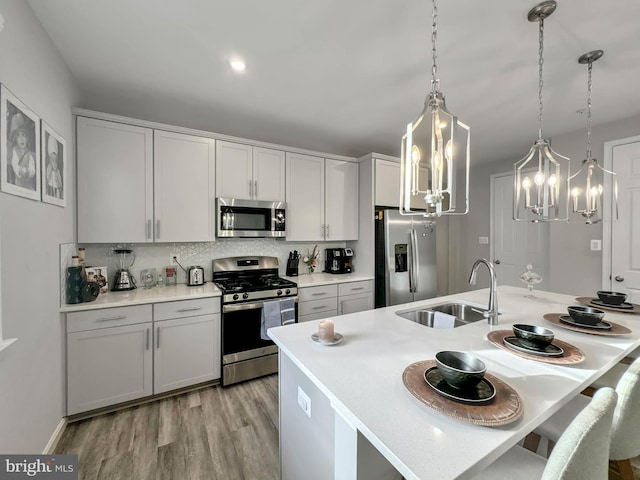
550 198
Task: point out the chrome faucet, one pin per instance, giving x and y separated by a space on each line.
492 314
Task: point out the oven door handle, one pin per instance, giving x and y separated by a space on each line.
249 306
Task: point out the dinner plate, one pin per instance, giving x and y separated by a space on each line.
550 350
621 306
602 325
483 393
337 338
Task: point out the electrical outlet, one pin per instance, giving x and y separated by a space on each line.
174 259
304 401
596 245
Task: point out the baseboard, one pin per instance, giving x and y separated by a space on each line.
55 437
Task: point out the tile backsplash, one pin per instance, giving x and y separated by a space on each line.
158 255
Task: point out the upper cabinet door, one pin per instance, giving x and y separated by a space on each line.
305 197
341 200
234 176
184 181
268 174
387 193
115 182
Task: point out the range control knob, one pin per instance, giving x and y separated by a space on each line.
287 291
235 296
245 295
279 292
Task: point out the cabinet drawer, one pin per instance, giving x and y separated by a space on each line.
352 288
316 316
314 293
107 317
185 308
320 305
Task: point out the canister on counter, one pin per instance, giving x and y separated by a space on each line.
170 275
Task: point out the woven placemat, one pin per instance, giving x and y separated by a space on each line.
616 329
571 355
587 301
505 408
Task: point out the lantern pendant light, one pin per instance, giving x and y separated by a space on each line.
435 155
591 181
541 189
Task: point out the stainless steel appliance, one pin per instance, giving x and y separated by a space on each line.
246 284
195 276
405 252
123 279
338 260
250 218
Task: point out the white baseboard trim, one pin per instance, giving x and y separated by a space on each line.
55 437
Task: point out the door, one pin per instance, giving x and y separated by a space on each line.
341 200
115 182
355 303
625 232
268 175
427 272
305 197
184 180
514 245
108 366
185 352
397 233
234 176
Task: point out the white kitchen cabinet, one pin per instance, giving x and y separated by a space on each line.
249 173
387 183
317 302
322 199
108 364
115 182
341 200
355 297
184 181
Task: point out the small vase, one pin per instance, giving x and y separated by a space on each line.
311 270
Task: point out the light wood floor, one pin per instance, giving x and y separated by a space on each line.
214 433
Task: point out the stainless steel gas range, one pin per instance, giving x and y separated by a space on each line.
246 284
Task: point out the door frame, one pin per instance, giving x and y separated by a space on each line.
607 230
493 177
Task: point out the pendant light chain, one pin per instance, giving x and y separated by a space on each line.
589 112
434 37
540 83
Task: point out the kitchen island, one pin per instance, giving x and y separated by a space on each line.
345 412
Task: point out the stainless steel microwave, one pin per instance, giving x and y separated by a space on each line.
250 218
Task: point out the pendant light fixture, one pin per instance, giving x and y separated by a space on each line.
591 181
541 189
435 155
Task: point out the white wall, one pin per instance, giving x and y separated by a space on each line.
574 269
31 378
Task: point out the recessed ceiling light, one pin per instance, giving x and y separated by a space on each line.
238 65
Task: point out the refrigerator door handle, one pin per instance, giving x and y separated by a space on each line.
415 273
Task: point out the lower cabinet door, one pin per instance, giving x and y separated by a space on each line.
187 351
108 366
355 303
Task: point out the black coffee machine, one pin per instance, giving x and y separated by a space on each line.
338 260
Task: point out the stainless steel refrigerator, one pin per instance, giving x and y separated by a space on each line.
406 268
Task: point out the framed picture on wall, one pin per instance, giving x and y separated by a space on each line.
54 166
19 147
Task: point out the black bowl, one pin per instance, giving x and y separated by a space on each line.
533 336
459 369
586 315
612 298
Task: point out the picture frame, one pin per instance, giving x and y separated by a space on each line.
19 147
53 166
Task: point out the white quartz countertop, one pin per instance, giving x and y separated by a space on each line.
146 295
316 279
362 377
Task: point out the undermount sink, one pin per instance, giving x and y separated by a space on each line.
459 314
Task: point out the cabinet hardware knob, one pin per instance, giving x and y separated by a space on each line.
497 262
619 278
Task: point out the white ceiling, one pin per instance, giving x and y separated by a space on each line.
346 76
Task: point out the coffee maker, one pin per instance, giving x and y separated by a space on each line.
338 260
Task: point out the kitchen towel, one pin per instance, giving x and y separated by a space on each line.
287 311
270 317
